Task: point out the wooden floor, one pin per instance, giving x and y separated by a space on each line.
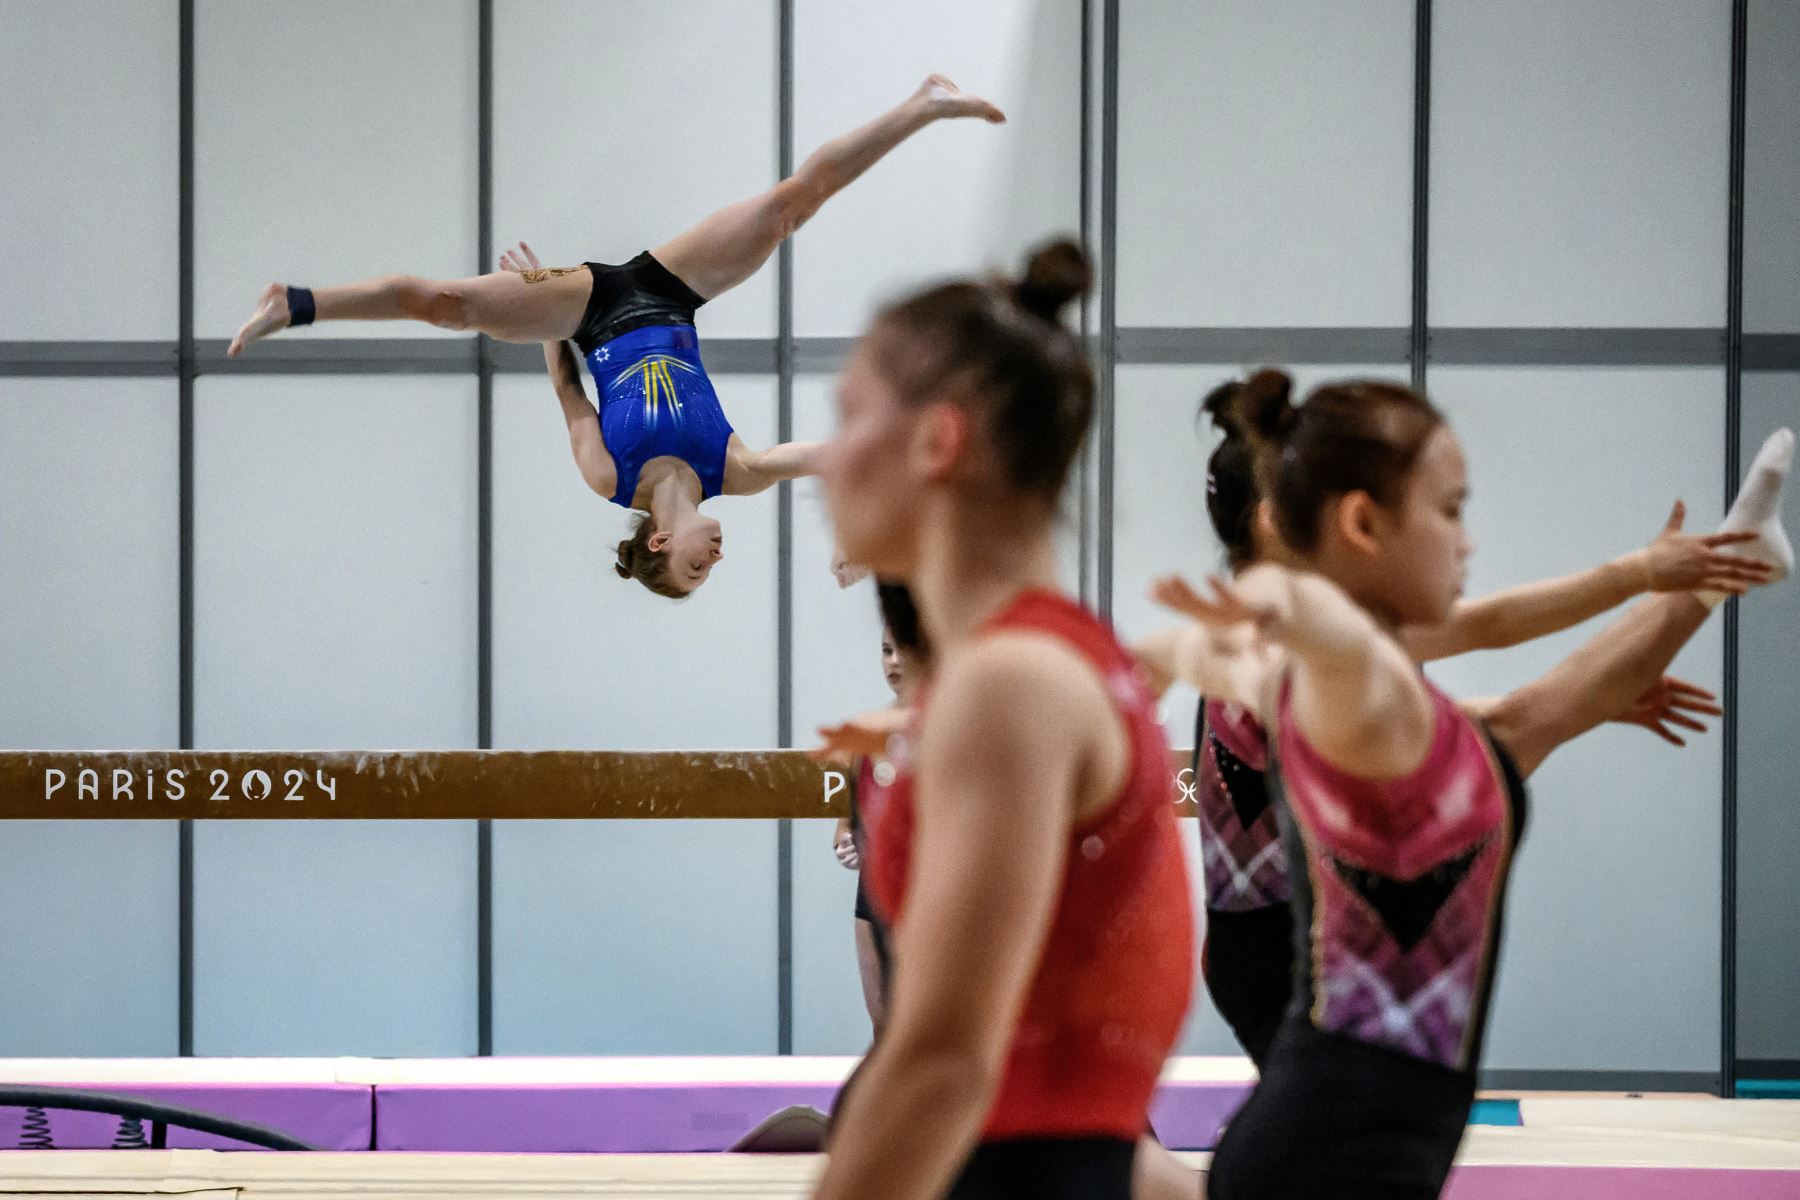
1749 1138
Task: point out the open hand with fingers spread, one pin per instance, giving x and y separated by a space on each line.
1227 607
860 737
520 259
1688 562
1670 701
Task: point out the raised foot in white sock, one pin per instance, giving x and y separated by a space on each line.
1757 509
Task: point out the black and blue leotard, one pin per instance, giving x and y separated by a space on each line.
655 398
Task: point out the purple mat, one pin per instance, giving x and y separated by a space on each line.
331 1116
1620 1183
670 1118
622 1118
1189 1116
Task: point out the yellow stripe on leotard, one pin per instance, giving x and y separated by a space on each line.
657 382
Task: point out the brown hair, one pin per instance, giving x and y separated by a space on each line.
901 616
1346 437
1231 492
1003 339
649 567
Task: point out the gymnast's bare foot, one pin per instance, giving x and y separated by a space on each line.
944 99
271 314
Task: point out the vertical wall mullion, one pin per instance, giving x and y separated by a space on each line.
185 470
1734 379
484 526
1109 300
784 557
1085 465
1421 191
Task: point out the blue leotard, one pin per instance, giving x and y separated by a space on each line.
656 401
655 398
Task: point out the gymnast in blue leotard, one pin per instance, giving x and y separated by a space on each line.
659 442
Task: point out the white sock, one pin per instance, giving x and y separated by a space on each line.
1758 509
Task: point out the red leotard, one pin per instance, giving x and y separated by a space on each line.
1110 993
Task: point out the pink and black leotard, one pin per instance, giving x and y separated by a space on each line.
1399 887
1248 959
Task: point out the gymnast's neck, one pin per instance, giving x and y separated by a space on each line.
974 560
675 498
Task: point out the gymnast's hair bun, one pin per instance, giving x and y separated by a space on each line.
1263 408
1218 408
1056 274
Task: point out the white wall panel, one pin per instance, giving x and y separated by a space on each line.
91 138
634 937
1265 163
334 569
1615 897
1579 162
617 125
89 563
334 141
958 197
334 938
1768 774
89 963
1772 169
89 660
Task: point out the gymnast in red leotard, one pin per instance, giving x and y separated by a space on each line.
1026 851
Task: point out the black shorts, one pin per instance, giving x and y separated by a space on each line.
630 296
1048 1168
1337 1119
1092 1168
1248 966
865 911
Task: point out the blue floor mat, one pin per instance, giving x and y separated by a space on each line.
1769 1089
1495 1112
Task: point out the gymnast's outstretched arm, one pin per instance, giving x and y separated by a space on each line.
1673 562
748 472
579 413
1667 705
585 439
1605 676
1357 695
1596 683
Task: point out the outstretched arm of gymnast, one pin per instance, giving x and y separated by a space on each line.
1668 705
1228 663
1602 679
1357 696
579 414
1156 655
585 439
755 471
1672 562
1001 759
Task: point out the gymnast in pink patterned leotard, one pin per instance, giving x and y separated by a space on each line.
1400 812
